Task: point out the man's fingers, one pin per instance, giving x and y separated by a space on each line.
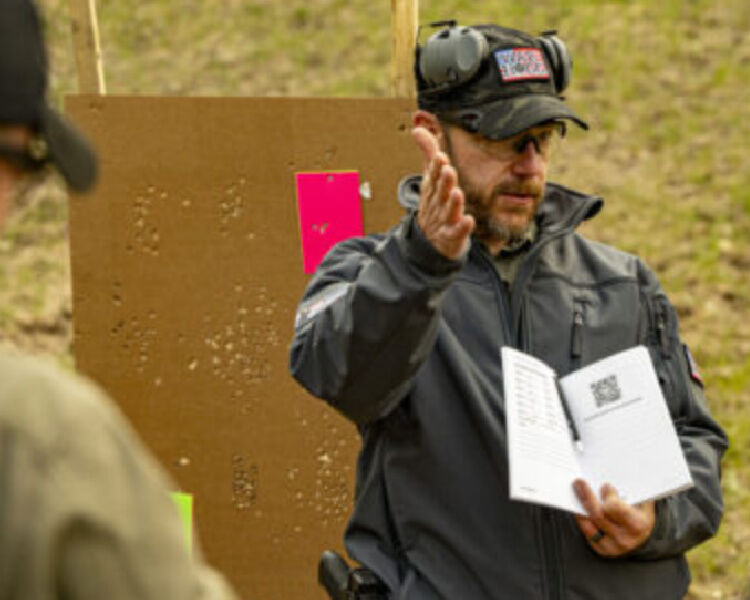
615 509
623 527
426 142
439 161
587 527
630 518
455 207
588 499
434 205
593 507
463 223
608 492
431 178
602 542
460 224
608 546
446 184
434 159
441 203
610 512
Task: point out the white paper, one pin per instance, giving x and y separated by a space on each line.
627 434
629 439
542 459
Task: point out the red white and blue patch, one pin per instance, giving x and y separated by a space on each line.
693 367
517 64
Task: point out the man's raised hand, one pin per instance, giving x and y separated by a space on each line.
441 202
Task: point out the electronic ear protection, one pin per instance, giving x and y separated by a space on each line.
453 56
559 58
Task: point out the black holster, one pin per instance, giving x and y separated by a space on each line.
345 583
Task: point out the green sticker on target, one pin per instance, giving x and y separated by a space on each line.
184 503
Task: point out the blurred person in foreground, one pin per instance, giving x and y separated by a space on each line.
401 332
85 511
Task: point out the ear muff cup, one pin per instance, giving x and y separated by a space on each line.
559 59
472 49
452 57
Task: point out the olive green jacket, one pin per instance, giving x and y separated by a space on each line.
85 511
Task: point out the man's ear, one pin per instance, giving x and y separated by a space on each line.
428 121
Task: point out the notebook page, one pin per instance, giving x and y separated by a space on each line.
628 436
542 460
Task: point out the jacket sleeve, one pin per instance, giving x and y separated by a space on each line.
368 320
687 518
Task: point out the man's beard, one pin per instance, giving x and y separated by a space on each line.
490 226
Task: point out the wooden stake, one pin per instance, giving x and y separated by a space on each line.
88 53
404 26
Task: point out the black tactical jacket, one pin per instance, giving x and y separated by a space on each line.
406 344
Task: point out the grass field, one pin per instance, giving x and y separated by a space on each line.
664 85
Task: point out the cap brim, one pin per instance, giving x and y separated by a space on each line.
70 151
505 118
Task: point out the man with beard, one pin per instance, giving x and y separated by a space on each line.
402 334
85 512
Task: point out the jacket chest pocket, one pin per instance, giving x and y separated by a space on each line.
598 329
572 327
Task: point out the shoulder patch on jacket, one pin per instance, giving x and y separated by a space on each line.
319 302
692 366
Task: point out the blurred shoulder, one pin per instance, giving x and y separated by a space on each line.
45 403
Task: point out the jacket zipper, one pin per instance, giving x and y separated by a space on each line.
544 515
548 541
526 266
502 296
547 526
548 538
553 575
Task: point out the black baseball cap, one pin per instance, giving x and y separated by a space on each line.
23 88
513 89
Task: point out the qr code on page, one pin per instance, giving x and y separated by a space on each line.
606 391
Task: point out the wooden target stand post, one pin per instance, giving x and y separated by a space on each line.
187 267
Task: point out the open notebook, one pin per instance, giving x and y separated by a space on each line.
627 436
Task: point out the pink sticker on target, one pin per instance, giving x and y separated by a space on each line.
329 211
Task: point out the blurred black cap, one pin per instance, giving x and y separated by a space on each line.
23 87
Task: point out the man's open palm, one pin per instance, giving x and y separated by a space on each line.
441 202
